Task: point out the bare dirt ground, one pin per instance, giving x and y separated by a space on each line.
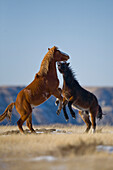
56 147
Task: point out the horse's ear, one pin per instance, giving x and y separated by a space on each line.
48 48
68 64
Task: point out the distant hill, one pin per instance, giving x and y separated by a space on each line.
46 112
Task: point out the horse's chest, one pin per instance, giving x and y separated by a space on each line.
66 93
53 83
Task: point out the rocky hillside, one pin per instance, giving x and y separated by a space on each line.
46 112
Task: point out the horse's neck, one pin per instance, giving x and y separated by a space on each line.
69 79
48 71
52 68
52 72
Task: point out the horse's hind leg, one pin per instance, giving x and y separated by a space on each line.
21 121
85 118
29 123
93 121
70 107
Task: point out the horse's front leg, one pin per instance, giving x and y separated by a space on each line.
85 118
71 100
57 99
57 94
57 102
64 109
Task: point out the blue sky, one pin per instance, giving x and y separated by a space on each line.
81 28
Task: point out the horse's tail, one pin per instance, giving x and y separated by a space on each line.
99 114
7 113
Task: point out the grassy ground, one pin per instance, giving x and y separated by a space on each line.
67 146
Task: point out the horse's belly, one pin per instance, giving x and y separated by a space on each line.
37 100
80 108
36 97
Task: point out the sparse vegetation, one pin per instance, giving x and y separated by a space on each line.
68 144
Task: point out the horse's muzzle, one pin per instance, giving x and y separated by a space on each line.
67 57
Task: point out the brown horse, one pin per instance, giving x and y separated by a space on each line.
75 95
39 90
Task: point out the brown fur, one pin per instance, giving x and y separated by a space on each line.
40 89
46 61
7 112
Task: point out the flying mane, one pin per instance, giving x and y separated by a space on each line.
70 78
46 61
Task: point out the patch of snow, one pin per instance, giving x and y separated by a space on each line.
68 132
39 132
108 149
61 132
57 130
111 132
43 158
48 158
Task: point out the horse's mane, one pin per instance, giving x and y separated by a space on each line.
70 77
46 61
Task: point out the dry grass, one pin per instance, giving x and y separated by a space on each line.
70 146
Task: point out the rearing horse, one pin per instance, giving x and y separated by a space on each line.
73 94
39 90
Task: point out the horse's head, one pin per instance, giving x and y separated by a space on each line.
59 56
62 67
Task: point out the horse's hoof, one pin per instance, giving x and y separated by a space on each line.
57 102
58 112
33 131
74 117
86 131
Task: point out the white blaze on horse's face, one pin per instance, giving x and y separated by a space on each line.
60 56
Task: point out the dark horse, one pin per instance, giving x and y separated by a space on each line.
39 90
75 95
